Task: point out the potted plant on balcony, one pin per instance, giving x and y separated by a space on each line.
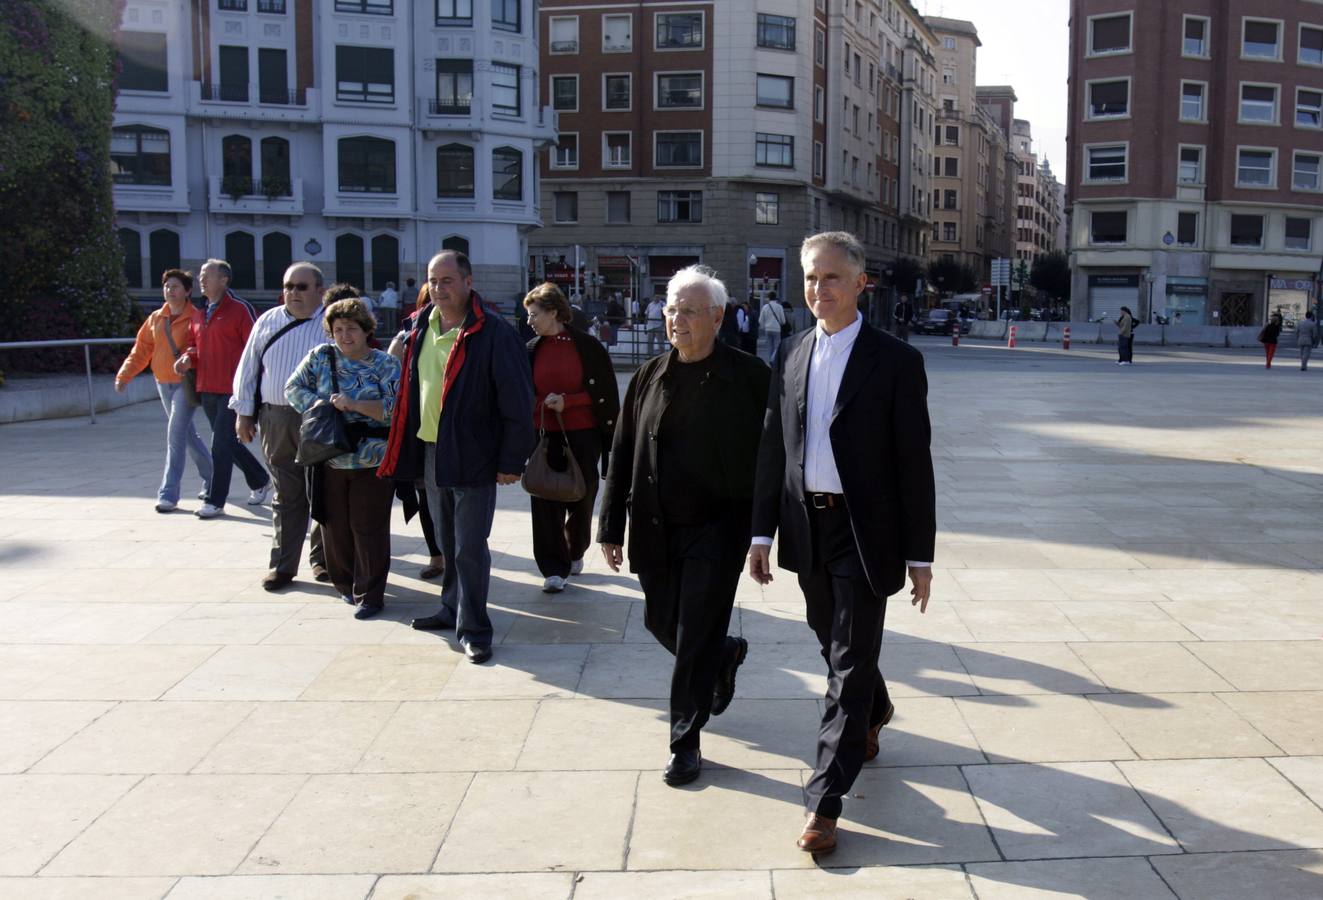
274 186
236 186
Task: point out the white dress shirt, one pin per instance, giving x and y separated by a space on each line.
280 361
831 352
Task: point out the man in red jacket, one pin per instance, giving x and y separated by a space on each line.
218 342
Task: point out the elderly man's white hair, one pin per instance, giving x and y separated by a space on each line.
697 276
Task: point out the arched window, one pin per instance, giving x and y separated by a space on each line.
139 155
454 170
131 241
349 259
367 164
507 174
277 254
163 250
385 261
275 168
236 165
241 254
455 242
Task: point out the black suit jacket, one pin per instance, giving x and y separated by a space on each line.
880 438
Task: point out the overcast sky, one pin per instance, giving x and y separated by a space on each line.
1025 44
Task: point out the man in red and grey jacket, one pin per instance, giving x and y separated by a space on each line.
218 341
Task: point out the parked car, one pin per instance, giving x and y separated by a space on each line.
940 321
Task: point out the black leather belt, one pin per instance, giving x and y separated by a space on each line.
825 501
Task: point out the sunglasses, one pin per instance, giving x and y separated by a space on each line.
300 286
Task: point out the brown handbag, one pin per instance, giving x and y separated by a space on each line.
545 482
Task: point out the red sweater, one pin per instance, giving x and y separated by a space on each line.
557 369
218 344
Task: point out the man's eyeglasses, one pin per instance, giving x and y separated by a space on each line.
296 286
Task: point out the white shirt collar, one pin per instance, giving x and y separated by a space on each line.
843 339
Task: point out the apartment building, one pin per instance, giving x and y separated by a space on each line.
1196 142
364 135
722 133
1037 211
998 103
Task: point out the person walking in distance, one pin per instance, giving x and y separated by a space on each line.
845 474
218 340
1306 338
1125 337
463 421
771 324
1269 336
902 317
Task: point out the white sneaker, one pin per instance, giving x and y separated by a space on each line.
202 494
553 585
260 495
576 567
207 511
165 506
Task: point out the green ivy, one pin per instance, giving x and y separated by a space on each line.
58 70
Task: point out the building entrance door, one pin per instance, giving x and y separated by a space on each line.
1236 309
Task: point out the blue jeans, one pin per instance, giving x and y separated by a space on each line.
180 438
463 520
226 451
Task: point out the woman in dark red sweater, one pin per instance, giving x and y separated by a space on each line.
572 375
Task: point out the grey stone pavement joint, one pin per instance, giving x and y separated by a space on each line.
1117 690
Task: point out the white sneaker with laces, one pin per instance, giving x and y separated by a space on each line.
576 567
207 511
165 506
260 495
553 585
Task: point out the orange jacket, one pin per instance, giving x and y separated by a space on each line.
152 346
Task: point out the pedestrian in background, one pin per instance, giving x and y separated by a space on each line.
1306 338
388 309
654 325
574 385
1125 337
771 325
1268 338
902 316
162 339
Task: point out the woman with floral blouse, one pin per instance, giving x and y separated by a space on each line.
354 501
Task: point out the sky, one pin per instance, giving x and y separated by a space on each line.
1025 45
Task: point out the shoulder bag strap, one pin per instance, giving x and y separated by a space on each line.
261 361
170 337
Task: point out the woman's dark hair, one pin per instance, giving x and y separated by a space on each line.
185 278
549 297
352 309
340 291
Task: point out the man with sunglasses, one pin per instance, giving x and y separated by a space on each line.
280 339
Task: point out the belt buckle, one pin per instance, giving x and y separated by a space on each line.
821 501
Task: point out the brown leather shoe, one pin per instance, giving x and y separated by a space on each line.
274 580
819 835
871 747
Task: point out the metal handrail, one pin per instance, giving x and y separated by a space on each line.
86 344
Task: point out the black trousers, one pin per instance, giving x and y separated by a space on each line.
562 532
429 527
357 532
687 608
847 618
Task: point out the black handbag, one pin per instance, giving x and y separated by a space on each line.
323 433
544 481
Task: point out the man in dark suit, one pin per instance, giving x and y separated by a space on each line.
845 473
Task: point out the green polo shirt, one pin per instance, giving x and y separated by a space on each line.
431 374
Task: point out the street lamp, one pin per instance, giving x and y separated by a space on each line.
753 261
1151 279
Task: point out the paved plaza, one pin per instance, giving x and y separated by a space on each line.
1117 690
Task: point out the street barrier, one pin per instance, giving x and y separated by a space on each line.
1065 338
87 344
955 334
1010 338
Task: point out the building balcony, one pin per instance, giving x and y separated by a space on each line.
951 114
449 116
252 102
268 197
151 198
367 204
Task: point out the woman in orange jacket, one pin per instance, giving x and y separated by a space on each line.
163 337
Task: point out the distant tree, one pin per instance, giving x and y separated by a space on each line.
905 273
1051 275
952 277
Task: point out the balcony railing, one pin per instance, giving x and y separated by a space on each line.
242 93
226 93
271 6
564 46
450 106
232 5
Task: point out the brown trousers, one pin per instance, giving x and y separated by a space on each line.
357 532
278 427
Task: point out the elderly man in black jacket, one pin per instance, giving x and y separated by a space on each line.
845 473
681 471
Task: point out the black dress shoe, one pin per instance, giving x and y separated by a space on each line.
442 621
477 655
724 691
367 612
683 767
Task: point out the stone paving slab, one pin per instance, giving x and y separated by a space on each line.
1116 692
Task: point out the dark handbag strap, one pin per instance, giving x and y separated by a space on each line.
542 423
261 362
170 337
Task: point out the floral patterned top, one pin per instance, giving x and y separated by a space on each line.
375 378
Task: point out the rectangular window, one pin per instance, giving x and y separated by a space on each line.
1311 46
142 57
454 87
564 34
767 209
367 165
1107 227
617 208
1308 108
1109 99
616 93
140 155
273 77
565 93
1192 101
679 149
507 174
776 32
617 149
818 159
819 101
233 73
949 200
366 7
1254 168
505 89
1109 34
951 167
566 154
1195 41
567 206
953 135
1305 172
454 171
454 12
679 31
776 91
948 231
365 74
1187 229
1258 104
1261 40
505 15
617 33
1246 231
774 150
819 47
679 90
1191 168
1298 233
680 207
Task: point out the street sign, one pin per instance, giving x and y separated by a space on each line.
1001 272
